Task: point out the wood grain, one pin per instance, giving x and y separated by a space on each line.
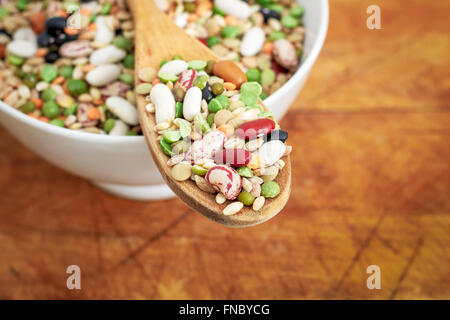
371 185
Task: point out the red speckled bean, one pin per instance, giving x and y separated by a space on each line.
226 179
186 79
254 128
234 157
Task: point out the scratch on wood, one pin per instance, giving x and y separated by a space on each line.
405 271
154 238
355 259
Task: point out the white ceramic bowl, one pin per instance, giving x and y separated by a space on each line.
123 165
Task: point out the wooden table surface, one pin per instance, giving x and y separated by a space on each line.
371 186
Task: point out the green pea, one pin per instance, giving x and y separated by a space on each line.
270 189
210 119
171 136
21 5
211 41
297 11
122 42
70 110
30 80
200 123
249 98
253 87
167 76
179 110
19 73
276 35
289 22
3 12
224 101
200 82
128 62
127 78
48 94
246 198
267 77
66 71
218 103
199 170
253 74
50 109
77 87
185 128
276 7
231 31
166 148
177 57
162 63
197 64
263 96
131 133
15 60
106 8
220 12
109 124
217 88
299 53
49 72
92 18
245 172
28 107
265 114
57 122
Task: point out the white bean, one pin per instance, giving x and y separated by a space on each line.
22 48
124 110
105 32
120 128
164 103
252 42
236 8
102 75
271 152
175 67
25 34
192 103
107 55
181 20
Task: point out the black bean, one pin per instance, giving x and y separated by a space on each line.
267 13
45 39
6 33
207 93
55 25
63 38
51 57
276 135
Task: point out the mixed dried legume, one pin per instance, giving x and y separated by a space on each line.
264 37
213 129
70 63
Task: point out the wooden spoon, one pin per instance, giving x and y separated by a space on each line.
158 38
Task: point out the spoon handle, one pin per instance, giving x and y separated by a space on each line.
154 46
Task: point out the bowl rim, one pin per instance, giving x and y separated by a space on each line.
103 138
